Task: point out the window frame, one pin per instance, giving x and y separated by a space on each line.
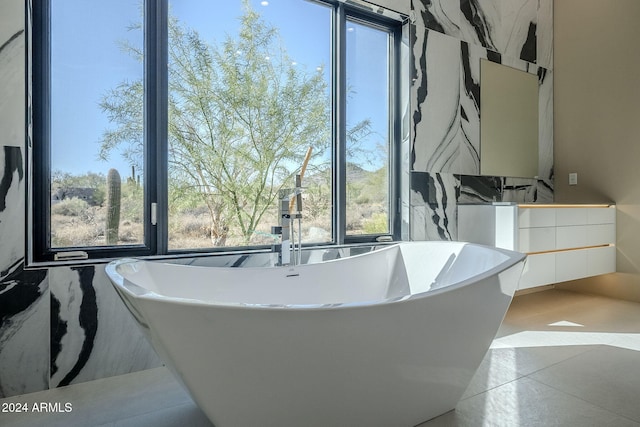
156 136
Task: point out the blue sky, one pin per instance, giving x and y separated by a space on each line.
88 60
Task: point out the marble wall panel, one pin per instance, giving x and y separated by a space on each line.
435 93
545 34
92 333
545 130
544 193
505 33
434 206
24 339
507 27
487 189
480 189
12 84
438 15
446 118
520 190
469 147
519 28
435 198
12 190
24 306
406 131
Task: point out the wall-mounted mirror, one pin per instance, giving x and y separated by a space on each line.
508 121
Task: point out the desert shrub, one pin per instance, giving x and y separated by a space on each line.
377 223
75 234
132 202
70 207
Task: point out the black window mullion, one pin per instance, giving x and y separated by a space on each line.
395 126
339 99
39 160
156 131
395 150
41 155
156 116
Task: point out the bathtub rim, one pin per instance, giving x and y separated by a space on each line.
139 292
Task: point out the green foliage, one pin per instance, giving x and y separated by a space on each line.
123 106
241 118
131 202
70 207
239 123
65 179
377 223
93 180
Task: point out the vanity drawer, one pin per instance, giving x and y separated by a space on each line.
571 265
601 260
562 242
601 234
571 216
580 263
539 239
601 215
581 236
536 217
540 269
572 237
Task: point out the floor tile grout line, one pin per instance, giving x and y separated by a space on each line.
586 401
555 389
563 360
492 388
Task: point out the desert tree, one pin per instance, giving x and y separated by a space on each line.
241 116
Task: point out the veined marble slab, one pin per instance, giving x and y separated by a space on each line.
12 199
487 189
545 131
24 339
545 34
433 206
447 106
519 28
438 15
470 108
507 27
435 95
12 85
435 197
92 333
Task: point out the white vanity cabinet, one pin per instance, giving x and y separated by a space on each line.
563 242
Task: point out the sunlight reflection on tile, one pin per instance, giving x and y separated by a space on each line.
566 323
561 338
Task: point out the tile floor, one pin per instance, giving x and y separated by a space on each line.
559 359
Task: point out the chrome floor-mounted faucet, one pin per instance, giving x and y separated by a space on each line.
288 252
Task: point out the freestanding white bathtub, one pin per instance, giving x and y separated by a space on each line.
387 338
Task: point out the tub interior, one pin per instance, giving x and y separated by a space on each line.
431 267
391 272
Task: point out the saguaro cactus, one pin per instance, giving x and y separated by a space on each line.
112 222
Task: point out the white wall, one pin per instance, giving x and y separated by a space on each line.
597 99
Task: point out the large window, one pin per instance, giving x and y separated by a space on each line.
178 126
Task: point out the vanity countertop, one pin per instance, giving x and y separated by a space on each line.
541 205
